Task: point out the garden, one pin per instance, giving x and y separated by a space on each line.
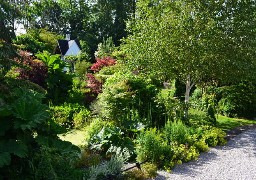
155 84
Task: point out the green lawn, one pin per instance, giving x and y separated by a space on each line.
226 123
75 136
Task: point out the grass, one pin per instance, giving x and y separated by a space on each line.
75 136
226 123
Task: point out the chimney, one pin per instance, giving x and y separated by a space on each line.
68 37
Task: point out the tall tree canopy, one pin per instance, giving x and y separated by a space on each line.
194 41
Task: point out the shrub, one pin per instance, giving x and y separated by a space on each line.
81 117
150 170
198 118
176 132
111 139
29 146
173 108
88 158
147 171
58 82
129 99
102 62
183 153
31 69
108 169
150 146
81 68
135 174
70 115
238 100
215 136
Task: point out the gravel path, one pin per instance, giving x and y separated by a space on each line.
234 161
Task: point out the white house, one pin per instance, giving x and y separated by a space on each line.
68 47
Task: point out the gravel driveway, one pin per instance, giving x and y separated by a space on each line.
234 161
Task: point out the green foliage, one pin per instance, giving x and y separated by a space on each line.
238 100
176 144
105 49
147 171
129 99
58 82
89 158
7 52
51 164
70 115
176 132
81 68
173 108
149 146
111 168
31 129
111 139
214 137
198 118
37 40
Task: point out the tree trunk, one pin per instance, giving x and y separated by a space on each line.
189 85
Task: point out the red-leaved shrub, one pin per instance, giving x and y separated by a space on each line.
100 63
31 69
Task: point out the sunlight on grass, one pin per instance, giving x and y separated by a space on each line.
76 137
226 123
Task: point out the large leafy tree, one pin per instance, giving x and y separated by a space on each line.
109 17
194 41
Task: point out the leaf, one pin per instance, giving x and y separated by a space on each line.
6 124
17 148
29 111
5 159
56 66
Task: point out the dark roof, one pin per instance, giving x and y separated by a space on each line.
65 44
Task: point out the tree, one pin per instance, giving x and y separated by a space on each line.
196 42
9 13
38 40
